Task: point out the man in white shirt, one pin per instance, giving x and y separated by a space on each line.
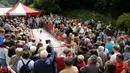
99 25
25 59
37 21
81 31
32 43
116 48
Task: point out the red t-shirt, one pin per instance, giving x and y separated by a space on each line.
80 64
119 68
60 63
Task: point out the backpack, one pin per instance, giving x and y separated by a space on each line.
25 68
4 69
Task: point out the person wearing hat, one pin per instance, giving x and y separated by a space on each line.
25 59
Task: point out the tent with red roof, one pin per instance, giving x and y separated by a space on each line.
21 9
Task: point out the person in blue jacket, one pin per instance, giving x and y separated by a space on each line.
109 45
45 64
1 36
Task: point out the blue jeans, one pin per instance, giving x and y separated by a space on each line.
3 62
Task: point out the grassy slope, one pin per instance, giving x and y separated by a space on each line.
86 14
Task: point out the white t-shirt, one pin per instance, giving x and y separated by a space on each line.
81 31
98 26
30 44
20 64
113 57
74 29
106 51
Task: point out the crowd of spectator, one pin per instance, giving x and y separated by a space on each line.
91 47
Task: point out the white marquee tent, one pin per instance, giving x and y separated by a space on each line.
21 9
3 11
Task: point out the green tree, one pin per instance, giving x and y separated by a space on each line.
123 21
77 4
48 5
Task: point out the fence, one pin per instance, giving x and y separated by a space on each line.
54 32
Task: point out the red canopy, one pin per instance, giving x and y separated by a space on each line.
21 9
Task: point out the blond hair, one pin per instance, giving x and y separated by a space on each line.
18 51
116 47
43 54
81 57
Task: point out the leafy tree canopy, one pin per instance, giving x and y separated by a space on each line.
123 21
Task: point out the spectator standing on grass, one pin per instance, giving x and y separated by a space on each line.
31 22
3 51
81 62
102 54
116 49
37 21
60 60
109 45
99 59
122 44
7 27
119 63
60 63
1 36
33 50
126 53
3 56
110 67
102 35
126 67
127 42
92 66
32 42
25 60
45 63
99 25
15 58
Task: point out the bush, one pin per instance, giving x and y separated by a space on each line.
123 21
87 15
50 6
31 6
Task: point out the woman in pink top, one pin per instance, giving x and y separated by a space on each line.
81 62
